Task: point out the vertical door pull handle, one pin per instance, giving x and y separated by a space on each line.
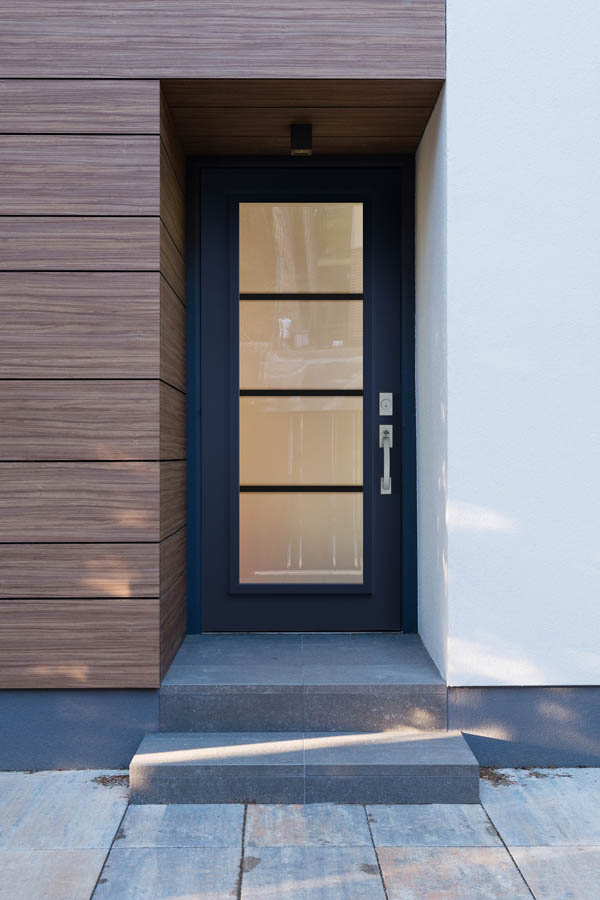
386 442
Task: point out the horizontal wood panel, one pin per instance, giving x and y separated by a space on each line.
172 201
73 643
40 106
172 558
172 497
86 420
172 337
80 570
45 175
194 123
279 145
171 141
224 39
81 501
172 423
71 243
172 263
173 622
315 92
79 325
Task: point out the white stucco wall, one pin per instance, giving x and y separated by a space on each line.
519 138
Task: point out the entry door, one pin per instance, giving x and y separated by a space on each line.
304 417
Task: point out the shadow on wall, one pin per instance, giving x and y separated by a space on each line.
528 726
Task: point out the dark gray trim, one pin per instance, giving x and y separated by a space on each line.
528 726
74 729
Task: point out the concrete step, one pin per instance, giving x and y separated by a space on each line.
287 767
314 682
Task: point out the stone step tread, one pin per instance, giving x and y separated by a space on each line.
403 753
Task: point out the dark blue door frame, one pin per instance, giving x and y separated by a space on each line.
399 171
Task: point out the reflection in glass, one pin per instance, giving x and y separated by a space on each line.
301 247
301 440
301 344
301 538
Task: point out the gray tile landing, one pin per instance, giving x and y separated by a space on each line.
310 682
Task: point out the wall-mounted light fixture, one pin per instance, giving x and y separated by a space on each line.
301 140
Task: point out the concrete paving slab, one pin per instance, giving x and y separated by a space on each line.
49 874
311 873
249 675
451 873
60 810
439 825
565 873
181 873
185 825
330 673
544 807
319 825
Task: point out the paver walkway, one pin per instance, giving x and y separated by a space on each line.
71 836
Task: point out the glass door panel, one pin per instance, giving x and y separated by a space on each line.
301 385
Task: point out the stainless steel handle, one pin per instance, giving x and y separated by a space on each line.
386 442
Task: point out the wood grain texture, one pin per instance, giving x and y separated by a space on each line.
194 123
74 643
74 243
172 201
84 501
302 92
172 337
80 325
172 423
279 145
173 622
172 263
223 39
79 175
87 420
172 497
170 139
81 570
38 106
172 558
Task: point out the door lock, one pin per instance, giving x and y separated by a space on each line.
386 403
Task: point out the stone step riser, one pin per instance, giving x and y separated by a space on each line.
371 708
304 768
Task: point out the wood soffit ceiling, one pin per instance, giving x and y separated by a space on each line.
253 116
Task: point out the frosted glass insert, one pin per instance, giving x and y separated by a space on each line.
301 538
297 247
301 344
301 440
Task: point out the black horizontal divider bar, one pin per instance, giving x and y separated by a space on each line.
302 295
301 488
286 392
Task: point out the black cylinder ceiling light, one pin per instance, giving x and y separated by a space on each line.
301 140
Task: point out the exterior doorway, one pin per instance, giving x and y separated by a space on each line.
301 402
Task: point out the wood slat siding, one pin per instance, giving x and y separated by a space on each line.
79 570
172 337
86 420
79 324
171 416
172 622
38 106
79 175
223 39
303 92
173 599
79 243
172 263
76 501
73 643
